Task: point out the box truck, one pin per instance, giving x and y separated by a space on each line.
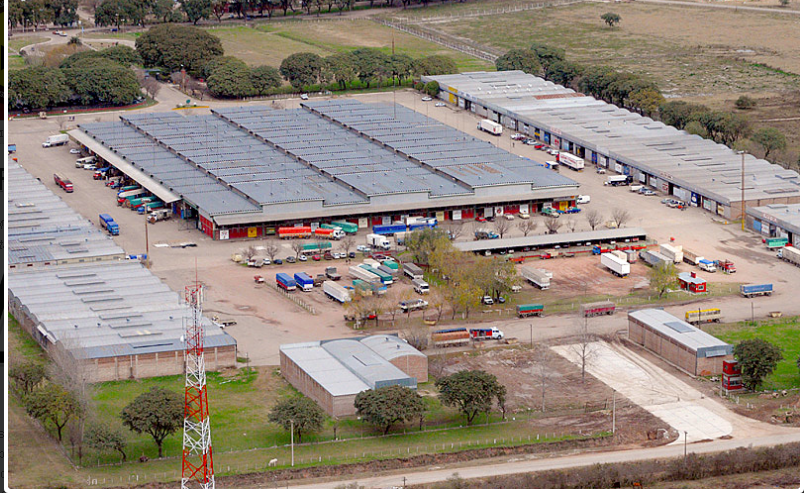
378 241
64 183
615 264
571 161
490 127
56 140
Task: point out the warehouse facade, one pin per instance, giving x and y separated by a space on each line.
241 172
678 342
333 372
697 171
776 220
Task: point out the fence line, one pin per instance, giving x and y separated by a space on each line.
480 13
296 300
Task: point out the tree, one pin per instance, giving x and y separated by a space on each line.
340 68
37 88
679 113
264 78
542 371
423 242
298 247
520 59
158 412
584 348
271 250
434 65
663 278
401 67
501 226
563 72
347 243
547 55
163 10
303 412
620 216
172 46
26 376
101 436
121 12
388 405
646 101
610 18
526 226
695 128
301 69
249 252
231 78
745 103
473 391
758 359
197 9
553 224
770 139
103 81
151 86
52 403
432 88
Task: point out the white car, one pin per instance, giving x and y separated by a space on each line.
440 105
427 98
552 152
304 97
583 199
524 215
75 151
510 217
90 166
362 248
601 171
302 258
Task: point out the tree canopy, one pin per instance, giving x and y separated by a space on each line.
301 69
758 359
172 46
229 78
610 18
158 412
663 277
101 436
37 88
306 415
123 55
547 55
264 78
520 59
103 81
770 139
473 391
388 405
434 65
53 403
121 12
197 9
26 376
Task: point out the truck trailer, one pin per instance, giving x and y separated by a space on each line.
654 258
56 140
363 274
285 282
386 279
389 229
615 264
529 310
751 290
107 223
412 270
347 227
571 161
598 308
700 316
332 273
294 232
675 252
337 292
303 281
451 337
789 254
538 277
489 126
691 258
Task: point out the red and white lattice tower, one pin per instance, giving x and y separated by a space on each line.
196 463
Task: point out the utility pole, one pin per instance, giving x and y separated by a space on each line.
614 413
742 190
685 445
293 458
147 243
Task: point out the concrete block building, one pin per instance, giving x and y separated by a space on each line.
776 221
678 342
333 372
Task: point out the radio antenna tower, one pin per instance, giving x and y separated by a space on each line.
196 462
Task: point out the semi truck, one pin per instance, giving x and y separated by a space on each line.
64 183
451 337
389 229
571 161
378 241
537 277
420 286
330 234
654 258
489 126
337 292
107 223
285 282
529 310
332 273
789 254
363 274
294 232
675 252
726 266
751 290
700 316
384 278
411 305
617 180
56 140
488 333
615 264
598 308
691 258
412 270
158 215
303 281
347 227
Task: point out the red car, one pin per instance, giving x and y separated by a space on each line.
539 146
316 257
480 219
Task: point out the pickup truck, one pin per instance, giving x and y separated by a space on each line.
410 305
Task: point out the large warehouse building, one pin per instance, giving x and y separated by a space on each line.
71 288
697 171
678 342
776 220
332 373
240 172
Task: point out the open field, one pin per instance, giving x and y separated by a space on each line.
785 333
17 42
270 43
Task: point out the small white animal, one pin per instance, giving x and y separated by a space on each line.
273 462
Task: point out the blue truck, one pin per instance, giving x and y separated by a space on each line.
389 229
107 223
285 282
303 281
751 290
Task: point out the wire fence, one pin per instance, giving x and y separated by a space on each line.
296 300
508 9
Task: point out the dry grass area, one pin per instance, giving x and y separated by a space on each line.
787 478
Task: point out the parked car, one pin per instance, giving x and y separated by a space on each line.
302 258
524 215
440 105
539 146
316 257
278 261
531 142
75 151
517 136
510 217
647 192
427 98
601 171
552 152
290 260
305 97
328 256
501 299
352 255
488 300
363 248
583 199
480 219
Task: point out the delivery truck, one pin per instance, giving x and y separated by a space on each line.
675 252
707 265
107 223
337 292
789 254
378 241
451 337
751 290
489 126
570 161
615 264
64 183
487 333
618 180
285 282
56 140
412 270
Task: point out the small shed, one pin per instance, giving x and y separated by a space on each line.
691 282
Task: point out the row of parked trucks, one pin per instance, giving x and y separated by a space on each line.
462 335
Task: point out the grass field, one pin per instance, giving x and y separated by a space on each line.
130 36
271 43
785 333
17 42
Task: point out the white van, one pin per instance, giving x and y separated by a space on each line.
421 286
79 163
583 199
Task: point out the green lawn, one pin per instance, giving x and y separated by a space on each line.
15 62
784 332
17 42
131 36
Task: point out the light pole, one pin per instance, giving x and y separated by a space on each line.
614 413
293 461
742 190
685 445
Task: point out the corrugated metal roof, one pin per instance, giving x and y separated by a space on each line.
540 241
390 347
687 277
787 216
689 336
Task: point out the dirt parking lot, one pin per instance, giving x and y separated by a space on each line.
258 309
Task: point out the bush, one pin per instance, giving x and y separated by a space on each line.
745 103
431 88
121 54
172 46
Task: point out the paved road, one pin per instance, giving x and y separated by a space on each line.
471 470
722 6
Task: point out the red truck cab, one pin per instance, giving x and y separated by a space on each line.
64 183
